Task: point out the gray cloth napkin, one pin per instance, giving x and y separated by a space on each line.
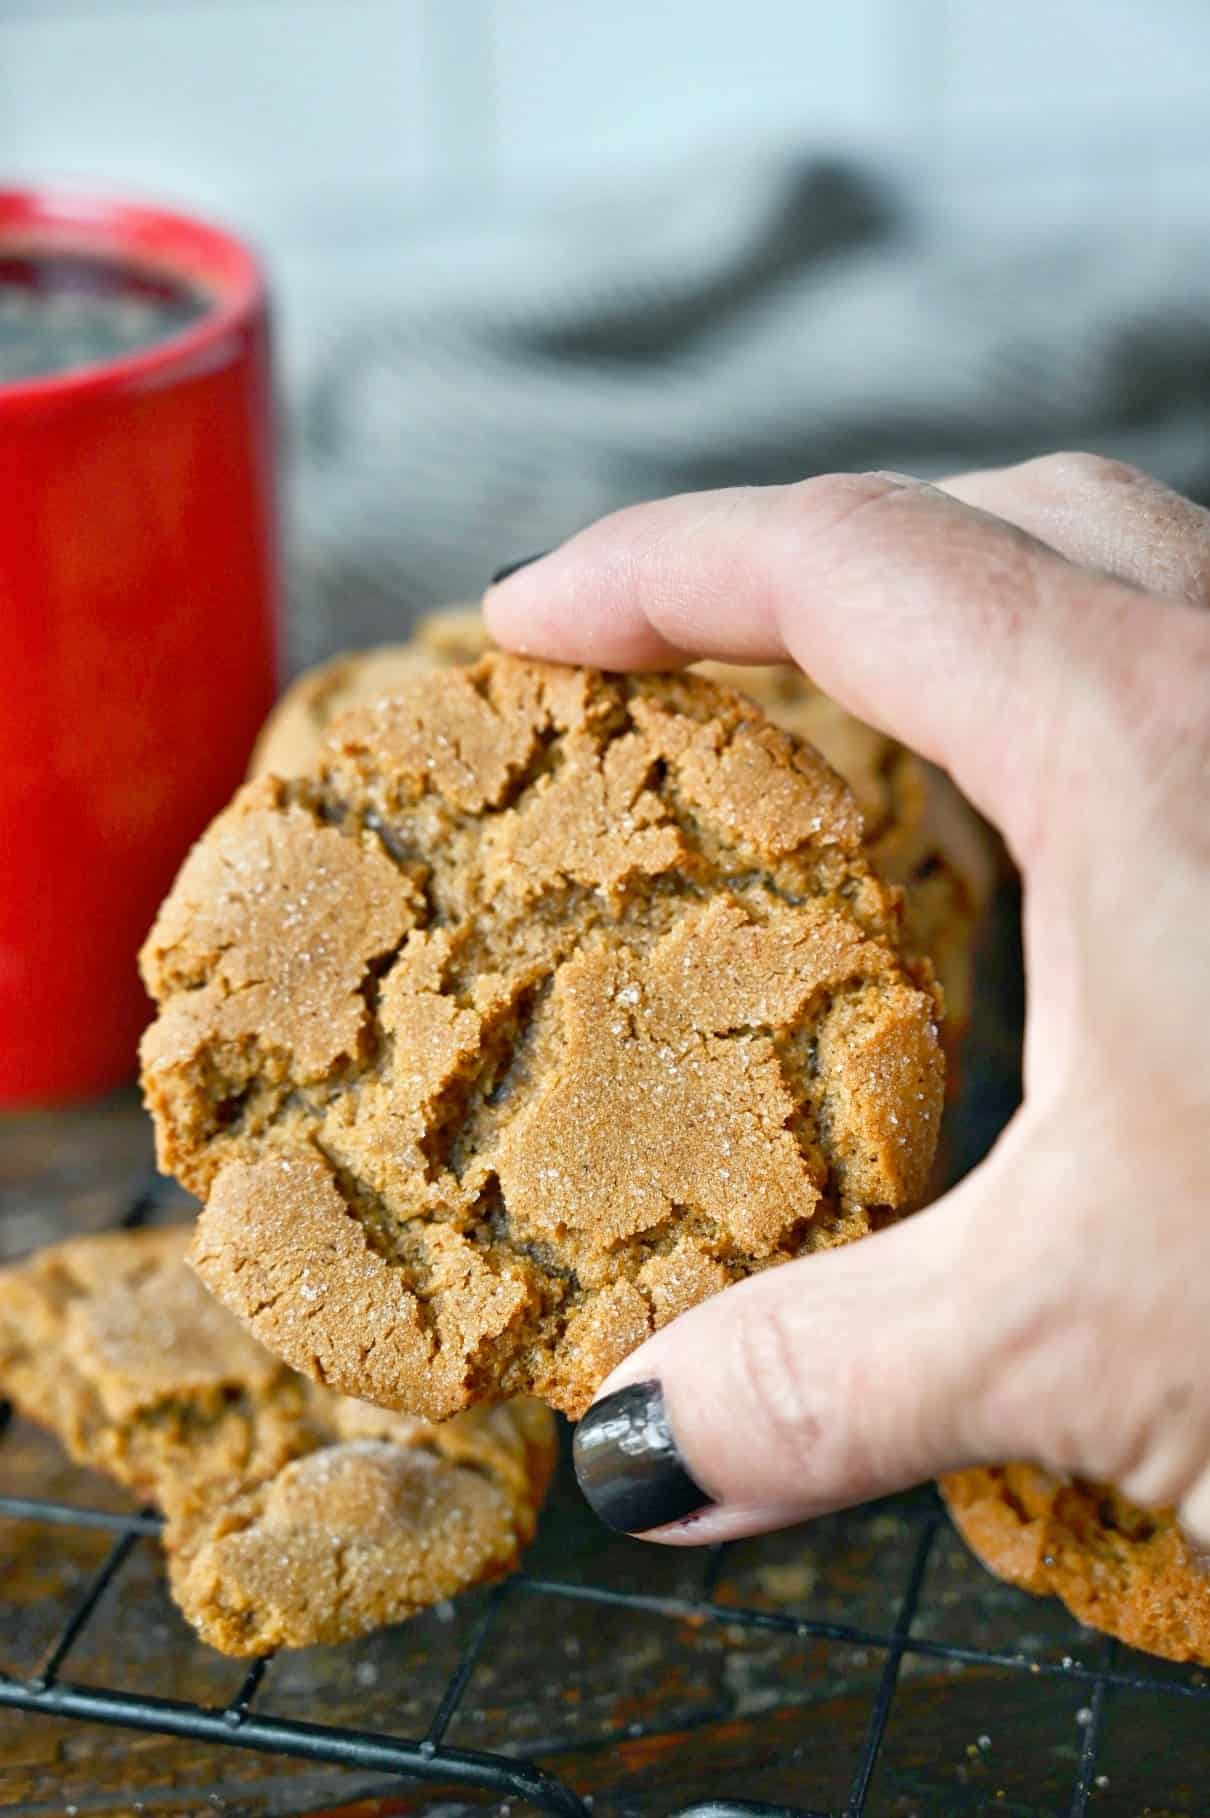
735 323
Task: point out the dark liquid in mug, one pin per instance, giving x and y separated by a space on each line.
61 311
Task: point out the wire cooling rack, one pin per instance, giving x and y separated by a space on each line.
509 1777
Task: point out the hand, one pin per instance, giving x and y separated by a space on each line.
1042 633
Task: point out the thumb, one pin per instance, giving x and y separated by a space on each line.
821 1383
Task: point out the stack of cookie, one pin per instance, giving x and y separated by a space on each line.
514 1014
508 1011
1117 1567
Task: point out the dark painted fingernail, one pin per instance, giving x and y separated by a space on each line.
628 1465
502 574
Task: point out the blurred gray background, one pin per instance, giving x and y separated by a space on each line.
534 258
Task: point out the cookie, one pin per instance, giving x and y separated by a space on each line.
1128 1571
292 1515
292 736
546 1004
920 832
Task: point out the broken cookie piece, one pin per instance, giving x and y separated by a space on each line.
292 1515
542 1005
1128 1571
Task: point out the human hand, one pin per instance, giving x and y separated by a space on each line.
1042 633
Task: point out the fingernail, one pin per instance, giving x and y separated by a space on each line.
502 574
627 1463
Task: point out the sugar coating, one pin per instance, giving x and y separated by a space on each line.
919 832
1126 1570
544 1004
291 737
292 1515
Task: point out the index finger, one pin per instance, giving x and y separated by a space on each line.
959 634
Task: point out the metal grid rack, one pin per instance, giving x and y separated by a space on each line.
431 1758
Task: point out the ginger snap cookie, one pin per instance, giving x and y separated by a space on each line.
291 737
1128 1571
292 1515
920 832
544 1005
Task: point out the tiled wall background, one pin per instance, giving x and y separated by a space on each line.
352 125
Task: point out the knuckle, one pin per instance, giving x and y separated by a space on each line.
772 1378
833 498
1086 471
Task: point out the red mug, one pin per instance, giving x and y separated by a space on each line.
138 576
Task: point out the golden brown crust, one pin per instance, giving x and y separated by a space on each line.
575 991
290 738
292 1515
1128 1571
920 832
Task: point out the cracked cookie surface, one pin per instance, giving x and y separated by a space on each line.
1128 1571
543 1005
920 832
292 1515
